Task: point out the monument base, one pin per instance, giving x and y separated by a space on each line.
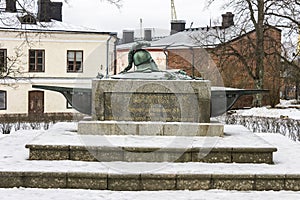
150 128
151 100
237 146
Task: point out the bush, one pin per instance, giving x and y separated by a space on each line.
285 126
34 121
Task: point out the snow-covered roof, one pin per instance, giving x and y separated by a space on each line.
201 37
205 37
11 21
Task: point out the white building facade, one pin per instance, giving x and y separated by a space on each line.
48 53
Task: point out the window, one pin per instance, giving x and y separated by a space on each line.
3 62
36 60
74 61
27 19
2 100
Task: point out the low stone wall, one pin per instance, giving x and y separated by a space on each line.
150 182
144 154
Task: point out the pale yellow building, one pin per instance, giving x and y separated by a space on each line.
35 50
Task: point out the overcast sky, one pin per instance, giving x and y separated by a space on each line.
154 14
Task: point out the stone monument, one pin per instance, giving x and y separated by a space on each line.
150 97
157 117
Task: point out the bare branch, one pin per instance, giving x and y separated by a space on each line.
117 3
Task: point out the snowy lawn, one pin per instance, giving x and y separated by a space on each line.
13 157
54 194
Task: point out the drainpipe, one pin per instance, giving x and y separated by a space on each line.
107 55
112 35
115 55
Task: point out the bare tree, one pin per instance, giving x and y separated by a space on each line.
10 65
261 15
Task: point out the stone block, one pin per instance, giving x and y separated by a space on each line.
93 181
48 152
211 130
292 182
270 182
44 180
155 155
181 129
110 154
124 182
213 155
82 153
126 129
252 157
233 182
184 156
204 110
11 179
132 154
151 129
158 182
193 182
96 128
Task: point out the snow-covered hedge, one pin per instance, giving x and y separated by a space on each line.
11 123
285 126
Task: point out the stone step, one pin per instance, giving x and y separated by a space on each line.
150 128
151 154
149 181
237 145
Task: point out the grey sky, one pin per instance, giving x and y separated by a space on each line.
154 14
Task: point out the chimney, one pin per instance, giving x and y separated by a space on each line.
56 10
128 36
148 34
44 11
48 10
11 6
177 26
227 20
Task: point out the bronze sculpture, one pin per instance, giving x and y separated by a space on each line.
141 58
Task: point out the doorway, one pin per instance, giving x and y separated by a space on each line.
36 102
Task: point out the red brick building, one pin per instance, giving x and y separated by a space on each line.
225 55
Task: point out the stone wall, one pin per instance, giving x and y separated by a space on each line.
150 182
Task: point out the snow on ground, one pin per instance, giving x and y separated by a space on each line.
289 103
283 109
62 194
292 113
13 157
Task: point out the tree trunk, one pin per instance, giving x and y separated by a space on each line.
257 100
259 70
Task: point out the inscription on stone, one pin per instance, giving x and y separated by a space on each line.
164 107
